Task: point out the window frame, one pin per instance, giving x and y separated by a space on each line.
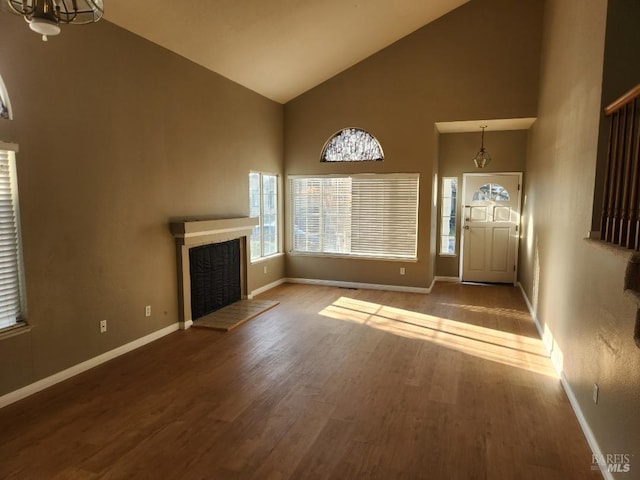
441 235
19 283
5 101
261 215
413 257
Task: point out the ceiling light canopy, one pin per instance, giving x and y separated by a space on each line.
482 158
45 16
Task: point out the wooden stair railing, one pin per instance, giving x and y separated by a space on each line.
620 220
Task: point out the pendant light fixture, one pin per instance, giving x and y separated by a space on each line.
482 158
45 16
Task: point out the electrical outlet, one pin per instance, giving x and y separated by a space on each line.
147 311
596 392
103 326
402 271
265 269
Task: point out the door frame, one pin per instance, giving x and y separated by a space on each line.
462 223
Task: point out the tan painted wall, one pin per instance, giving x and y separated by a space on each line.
478 62
116 136
508 150
576 287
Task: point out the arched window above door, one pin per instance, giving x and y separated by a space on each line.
5 105
352 145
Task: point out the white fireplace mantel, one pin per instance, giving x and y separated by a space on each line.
200 232
193 233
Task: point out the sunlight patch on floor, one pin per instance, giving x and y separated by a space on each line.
495 345
503 312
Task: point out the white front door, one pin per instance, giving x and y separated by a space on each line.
491 219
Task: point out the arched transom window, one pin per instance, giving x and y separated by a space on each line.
352 145
5 106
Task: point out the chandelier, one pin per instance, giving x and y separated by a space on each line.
45 16
482 158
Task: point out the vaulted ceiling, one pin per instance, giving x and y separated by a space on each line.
278 48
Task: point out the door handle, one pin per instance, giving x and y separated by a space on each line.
466 227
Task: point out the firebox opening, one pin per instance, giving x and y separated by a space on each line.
215 276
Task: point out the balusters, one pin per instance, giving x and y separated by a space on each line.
620 219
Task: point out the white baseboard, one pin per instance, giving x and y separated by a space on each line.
185 325
447 279
591 439
47 382
368 286
573 401
269 286
532 311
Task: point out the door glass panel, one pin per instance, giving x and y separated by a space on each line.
492 191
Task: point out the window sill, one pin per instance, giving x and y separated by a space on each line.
353 257
14 330
449 255
265 259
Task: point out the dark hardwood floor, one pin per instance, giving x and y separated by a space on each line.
330 384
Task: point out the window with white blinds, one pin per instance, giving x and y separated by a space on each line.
369 215
10 261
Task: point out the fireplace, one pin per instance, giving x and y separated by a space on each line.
212 262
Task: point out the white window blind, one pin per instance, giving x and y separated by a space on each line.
10 298
372 215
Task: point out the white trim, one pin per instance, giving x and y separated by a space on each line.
433 282
494 125
14 330
264 288
447 279
351 256
369 286
532 311
573 401
185 325
47 382
218 229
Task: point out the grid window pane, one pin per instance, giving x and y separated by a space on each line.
448 216
263 204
